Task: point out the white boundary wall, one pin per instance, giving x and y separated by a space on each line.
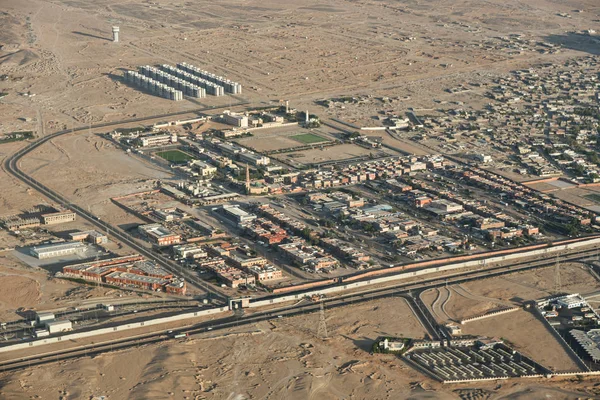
490 314
410 274
119 328
293 297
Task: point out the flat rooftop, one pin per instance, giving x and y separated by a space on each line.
138 278
235 210
48 248
590 341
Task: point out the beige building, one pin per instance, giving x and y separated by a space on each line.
58 217
239 120
203 168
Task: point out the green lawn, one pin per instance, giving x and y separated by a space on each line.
16 136
309 138
594 197
175 156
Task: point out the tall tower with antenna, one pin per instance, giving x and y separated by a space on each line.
557 280
322 330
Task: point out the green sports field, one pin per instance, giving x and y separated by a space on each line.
309 138
593 197
175 156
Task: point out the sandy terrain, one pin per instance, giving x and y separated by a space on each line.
528 335
275 360
90 170
578 196
24 287
14 195
339 152
476 298
61 51
574 278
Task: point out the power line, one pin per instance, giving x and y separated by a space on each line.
557 281
322 331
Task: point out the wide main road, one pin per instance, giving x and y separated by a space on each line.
11 165
409 291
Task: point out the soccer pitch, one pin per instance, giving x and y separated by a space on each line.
309 138
175 156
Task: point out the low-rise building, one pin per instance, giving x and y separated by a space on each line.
156 140
265 272
44 317
254 158
236 214
159 235
189 251
442 207
57 250
236 279
59 326
22 223
239 120
135 280
571 301
91 236
128 271
203 169
241 260
58 217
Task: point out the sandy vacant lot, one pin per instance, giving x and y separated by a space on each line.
33 288
339 152
528 335
574 278
475 298
14 195
89 170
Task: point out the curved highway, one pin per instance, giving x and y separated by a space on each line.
11 165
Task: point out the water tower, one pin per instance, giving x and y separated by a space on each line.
115 30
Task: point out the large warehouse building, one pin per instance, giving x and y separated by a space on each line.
234 213
57 250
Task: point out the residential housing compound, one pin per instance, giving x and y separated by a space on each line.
128 271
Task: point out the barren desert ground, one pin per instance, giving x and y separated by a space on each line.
278 360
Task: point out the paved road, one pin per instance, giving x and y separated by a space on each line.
407 290
11 165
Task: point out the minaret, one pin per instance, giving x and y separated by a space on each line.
307 117
247 179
